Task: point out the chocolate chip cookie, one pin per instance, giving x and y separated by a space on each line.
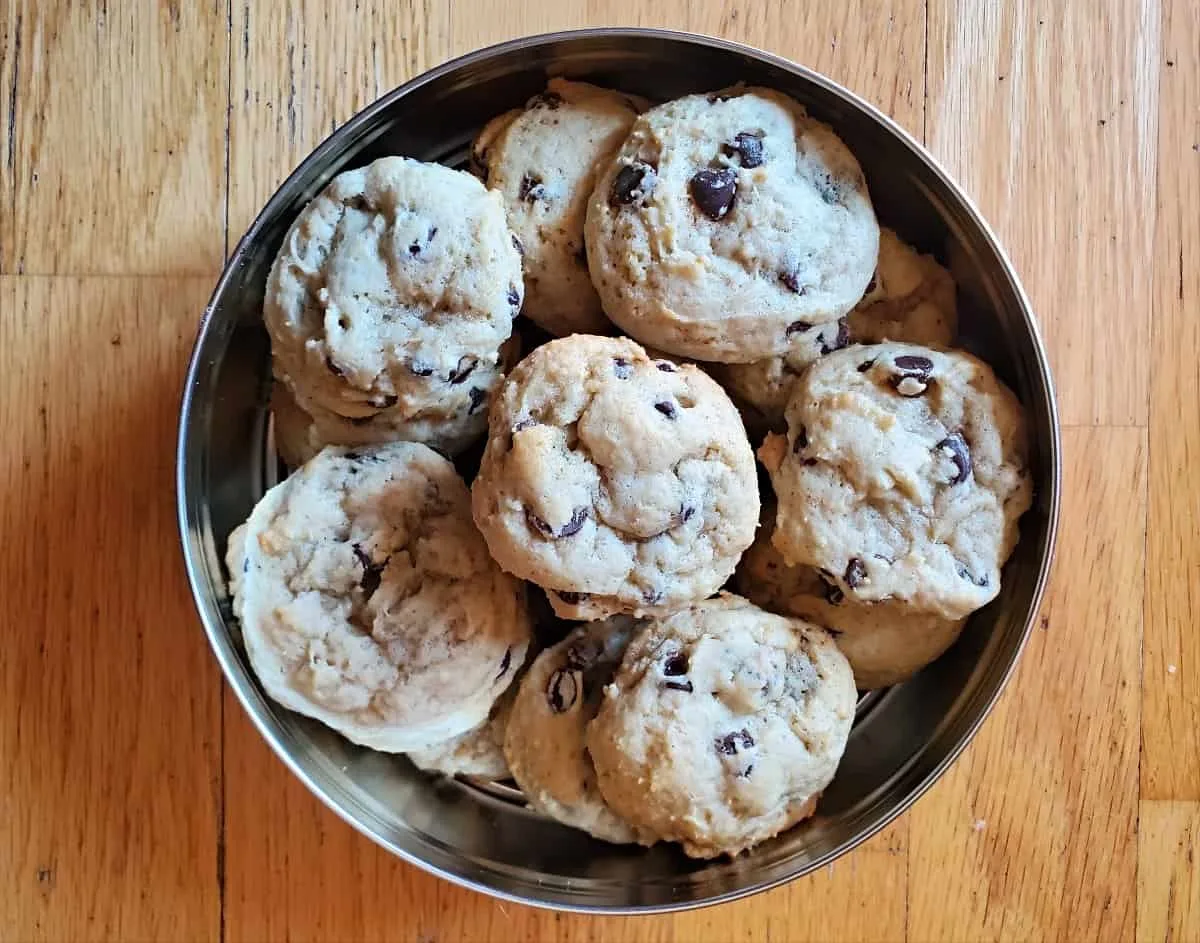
722 726
902 476
885 642
392 289
367 599
617 482
910 298
544 736
728 224
543 161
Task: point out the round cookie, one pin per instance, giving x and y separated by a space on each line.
391 288
902 476
722 726
478 752
367 599
544 737
543 161
451 425
911 299
728 224
885 642
618 482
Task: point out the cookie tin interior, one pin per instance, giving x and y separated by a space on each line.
481 836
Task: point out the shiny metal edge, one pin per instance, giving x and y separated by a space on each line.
213 620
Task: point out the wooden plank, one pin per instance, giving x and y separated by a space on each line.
1171 718
876 49
302 68
1047 114
1033 833
109 709
1168 906
114 120
297 872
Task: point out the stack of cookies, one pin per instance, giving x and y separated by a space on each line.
684 278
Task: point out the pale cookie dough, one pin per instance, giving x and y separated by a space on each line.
543 160
723 726
544 737
450 425
367 599
618 482
391 288
902 476
478 752
728 224
911 299
885 642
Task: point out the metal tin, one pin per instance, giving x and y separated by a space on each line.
904 739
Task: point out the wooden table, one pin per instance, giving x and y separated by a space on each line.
137 140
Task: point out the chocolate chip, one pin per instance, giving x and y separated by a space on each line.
713 191
514 296
333 367
685 686
571 599
748 146
569 529
549 100
358 202
745 774
797 327
686 513
966 574
421 368
833 592
667 409
791 278
584 653
856 573
621 367
524 423
632 184
504 663
955 447
801 442
416 247
723 96
561 691
246 565
478 398
809 462
531 188
830 189
872 284
915 363
665 366
865 366
676 664
652 596
912 375
372 572
517 245
352 456
733 743
840 340
464 369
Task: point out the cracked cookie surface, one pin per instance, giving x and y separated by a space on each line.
729 223
367 599
902 476
722 726
617 482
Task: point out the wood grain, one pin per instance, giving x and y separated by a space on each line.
1047 114
1168 874
109 709
1033 834
114 120
1171 722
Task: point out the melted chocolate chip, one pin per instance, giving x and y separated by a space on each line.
713 191
416 247
676 664
504 663
686 513
652 596
514 296
569 529
955 447
685 686
246 565
833 592
549 100
747 146
966 574
561 691
478 398
531 188
724 96
915 363
865 366
517 245
797 327
421 368
841 339
524 423
632 184
745 774
571 599
352 456
622 368
801 442
665 366
358 202
912 376
667 409
372 572
856 573
584 653
333 367
464 369
733 743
